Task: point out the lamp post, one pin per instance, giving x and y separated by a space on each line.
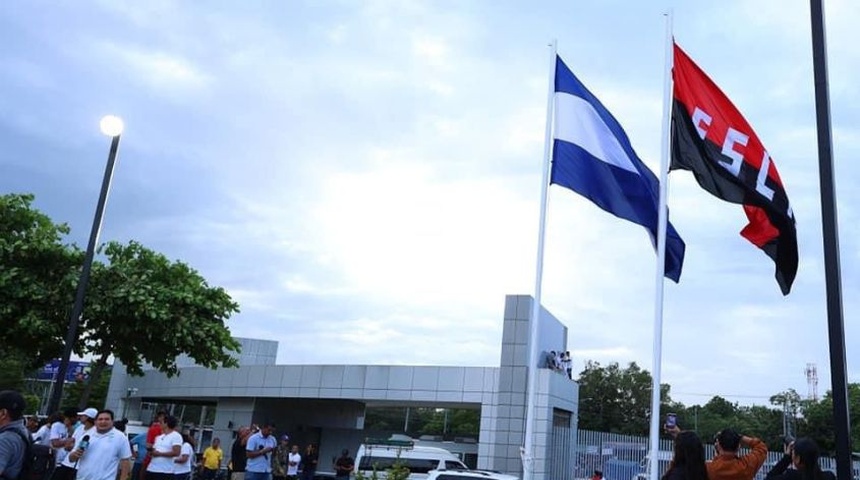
111 126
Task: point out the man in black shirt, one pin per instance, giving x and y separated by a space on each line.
238 457
343 466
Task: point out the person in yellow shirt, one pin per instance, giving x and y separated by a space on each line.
212 457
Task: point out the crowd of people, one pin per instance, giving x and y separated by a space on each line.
91 445
799 462
560 362
258 455
87 445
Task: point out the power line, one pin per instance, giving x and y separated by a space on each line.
724 395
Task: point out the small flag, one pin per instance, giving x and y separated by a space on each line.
712 139
593 157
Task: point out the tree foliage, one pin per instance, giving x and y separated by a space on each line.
140 308
37 281
612 399
143 308
615 399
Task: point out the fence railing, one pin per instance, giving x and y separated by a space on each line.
626 457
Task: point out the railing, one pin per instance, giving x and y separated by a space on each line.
625 457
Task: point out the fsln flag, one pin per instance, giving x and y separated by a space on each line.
712 139
593 157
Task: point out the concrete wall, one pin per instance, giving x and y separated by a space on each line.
503 422
235 412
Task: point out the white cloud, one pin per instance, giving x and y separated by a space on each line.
163 72
367 175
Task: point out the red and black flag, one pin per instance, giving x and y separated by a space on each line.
712 139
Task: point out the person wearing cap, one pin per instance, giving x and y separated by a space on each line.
107 454
728 465
259 448
13 434
79 441
281 459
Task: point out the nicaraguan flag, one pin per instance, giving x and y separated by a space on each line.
593 157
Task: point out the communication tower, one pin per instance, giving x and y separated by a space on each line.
811 381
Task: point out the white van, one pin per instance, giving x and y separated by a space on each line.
419 460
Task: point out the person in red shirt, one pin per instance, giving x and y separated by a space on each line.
151 434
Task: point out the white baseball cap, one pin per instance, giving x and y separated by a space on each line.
90 412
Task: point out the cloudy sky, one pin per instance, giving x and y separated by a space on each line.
364 176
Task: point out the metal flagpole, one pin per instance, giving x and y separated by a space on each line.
527 452
830 231
662 219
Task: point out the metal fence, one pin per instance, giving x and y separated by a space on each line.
626 457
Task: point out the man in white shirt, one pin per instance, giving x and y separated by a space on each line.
259 449
293 462
108 451
60 432
67 469
182 464
42 436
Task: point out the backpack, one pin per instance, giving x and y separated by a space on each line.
38 461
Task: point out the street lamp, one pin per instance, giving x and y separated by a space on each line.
111 126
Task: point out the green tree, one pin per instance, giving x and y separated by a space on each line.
37 279
618 400
140 307
143 308
817 419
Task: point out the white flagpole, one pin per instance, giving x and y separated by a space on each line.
527 452
654 446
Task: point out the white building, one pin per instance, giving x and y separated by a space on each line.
325 404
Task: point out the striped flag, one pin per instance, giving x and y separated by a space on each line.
593 157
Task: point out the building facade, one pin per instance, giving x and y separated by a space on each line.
326 404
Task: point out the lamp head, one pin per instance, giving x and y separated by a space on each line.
111 125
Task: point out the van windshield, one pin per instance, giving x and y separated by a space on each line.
415 465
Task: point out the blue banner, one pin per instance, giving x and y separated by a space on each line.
77 371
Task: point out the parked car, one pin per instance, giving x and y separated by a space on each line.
420 461
468 475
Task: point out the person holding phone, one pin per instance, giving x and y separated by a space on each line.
803 454
727 464
688 458
259 452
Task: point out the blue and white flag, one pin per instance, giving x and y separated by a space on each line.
593 157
